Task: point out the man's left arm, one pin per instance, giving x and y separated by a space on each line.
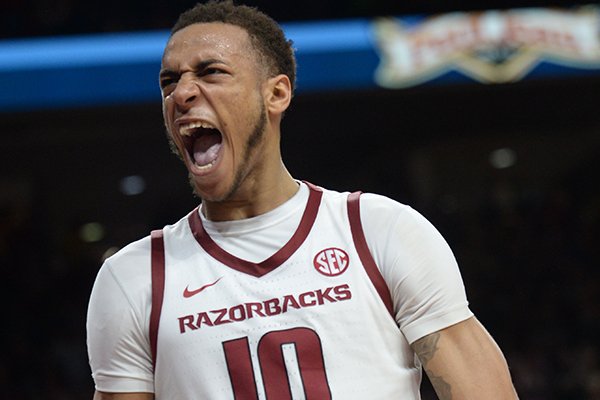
464 362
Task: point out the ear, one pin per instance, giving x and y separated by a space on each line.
278 94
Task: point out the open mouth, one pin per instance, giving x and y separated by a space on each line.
202 141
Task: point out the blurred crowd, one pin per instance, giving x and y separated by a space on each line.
25 18
530 263
29 18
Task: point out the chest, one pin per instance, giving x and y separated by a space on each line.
206 296
254 329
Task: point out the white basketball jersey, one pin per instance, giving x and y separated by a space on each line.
313 321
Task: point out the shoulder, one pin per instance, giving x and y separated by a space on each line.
376 204
393 214
118 319
131 258
381 214
368 201
133 261
376 211
127 272
400 238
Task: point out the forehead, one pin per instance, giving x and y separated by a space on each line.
214 39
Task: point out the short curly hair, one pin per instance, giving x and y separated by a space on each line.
265 34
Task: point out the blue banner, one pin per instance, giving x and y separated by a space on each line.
486 47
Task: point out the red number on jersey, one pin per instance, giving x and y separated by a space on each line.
275 376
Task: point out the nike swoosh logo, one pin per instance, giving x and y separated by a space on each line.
187 293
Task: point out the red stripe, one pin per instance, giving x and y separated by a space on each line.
364 253
268 265
158 288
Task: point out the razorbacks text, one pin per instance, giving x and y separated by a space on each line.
267 308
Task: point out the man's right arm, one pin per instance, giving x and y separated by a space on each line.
123 396
117 337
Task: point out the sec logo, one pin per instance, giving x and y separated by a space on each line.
331 262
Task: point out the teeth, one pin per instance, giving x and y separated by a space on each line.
206 167
188 129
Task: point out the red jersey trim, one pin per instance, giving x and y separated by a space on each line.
364 253
158 288
268 265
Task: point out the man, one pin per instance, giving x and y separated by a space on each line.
275 288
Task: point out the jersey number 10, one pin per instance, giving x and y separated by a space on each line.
275 376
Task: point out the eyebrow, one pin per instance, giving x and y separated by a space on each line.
165 72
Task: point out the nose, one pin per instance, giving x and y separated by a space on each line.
186 93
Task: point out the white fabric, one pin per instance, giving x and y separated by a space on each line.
366 352
417 264
255 239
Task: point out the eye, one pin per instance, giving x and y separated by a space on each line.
164 82
212 71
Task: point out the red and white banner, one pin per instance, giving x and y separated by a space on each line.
490 46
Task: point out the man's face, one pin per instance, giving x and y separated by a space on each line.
213 107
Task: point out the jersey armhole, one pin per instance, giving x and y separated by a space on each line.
158 288
364 253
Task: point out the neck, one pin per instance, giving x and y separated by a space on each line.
256 197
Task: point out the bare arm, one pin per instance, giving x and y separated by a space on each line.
463 362
123 396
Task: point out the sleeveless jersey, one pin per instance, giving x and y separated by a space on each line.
313 321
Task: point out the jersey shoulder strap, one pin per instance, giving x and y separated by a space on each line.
360 242
158 287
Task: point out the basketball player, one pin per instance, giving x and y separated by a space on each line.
275 288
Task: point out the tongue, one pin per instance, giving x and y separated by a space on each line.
206 148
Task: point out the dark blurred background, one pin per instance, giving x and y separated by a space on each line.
508 173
